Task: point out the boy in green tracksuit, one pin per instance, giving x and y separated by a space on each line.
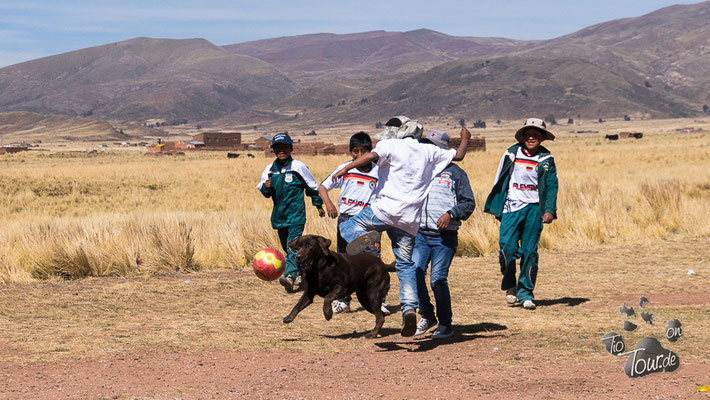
284 181
524 197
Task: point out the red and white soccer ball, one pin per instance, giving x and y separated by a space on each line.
269 264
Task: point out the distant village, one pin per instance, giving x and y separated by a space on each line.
232 141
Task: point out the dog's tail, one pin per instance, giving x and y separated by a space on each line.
391 267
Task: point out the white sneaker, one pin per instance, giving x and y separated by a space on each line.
423 326
384 309
528 305
510 297
340 306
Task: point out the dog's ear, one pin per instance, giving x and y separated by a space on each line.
293 245
324 245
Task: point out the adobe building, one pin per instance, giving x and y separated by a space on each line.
474 144
264 142
11 149
219 141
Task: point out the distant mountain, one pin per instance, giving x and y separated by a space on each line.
141 79
654 65
510 87
669 47
352 57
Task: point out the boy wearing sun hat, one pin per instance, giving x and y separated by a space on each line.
524 197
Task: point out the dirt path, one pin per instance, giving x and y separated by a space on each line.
392 369
218 334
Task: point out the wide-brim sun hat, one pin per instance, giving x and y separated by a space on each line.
537 124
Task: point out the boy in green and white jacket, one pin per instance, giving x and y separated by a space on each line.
284 181
524 197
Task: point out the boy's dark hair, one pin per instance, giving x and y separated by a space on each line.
361 139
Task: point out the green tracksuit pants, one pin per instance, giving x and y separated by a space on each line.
519 237
286 235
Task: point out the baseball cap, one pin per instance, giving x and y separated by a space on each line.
281 138
438 137
534 123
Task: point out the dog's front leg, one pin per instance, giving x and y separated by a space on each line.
379 321
337 293
305 300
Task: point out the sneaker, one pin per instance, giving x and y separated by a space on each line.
340 307
442 332
297 283
528 305
424 325
510 297
359 243
409 323
384 309
286 282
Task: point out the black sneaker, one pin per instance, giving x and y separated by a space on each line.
443 332
287 283
409 323
361 242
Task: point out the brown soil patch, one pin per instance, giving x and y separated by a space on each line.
390 369
219 335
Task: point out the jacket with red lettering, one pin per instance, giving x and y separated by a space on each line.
547 183
450 191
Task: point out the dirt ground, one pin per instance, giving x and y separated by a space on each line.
217 334
391 369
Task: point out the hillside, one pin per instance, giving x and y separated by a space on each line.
354 57
509 87
140 79
669 47
653 65
31 127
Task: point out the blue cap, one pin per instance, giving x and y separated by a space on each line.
281 138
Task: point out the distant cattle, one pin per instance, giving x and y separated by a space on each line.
250 155
233 155
612 137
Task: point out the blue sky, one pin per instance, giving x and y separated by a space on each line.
32 29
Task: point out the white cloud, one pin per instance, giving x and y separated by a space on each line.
8 36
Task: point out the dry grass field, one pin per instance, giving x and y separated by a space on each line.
79 318
74 214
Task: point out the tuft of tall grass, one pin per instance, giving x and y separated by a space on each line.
98 215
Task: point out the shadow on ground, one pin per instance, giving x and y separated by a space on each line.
463 333
569 301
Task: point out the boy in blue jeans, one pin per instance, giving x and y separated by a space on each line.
284 181
524 197
407 168
450 200
356 193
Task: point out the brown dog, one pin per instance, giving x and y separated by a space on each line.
335 275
